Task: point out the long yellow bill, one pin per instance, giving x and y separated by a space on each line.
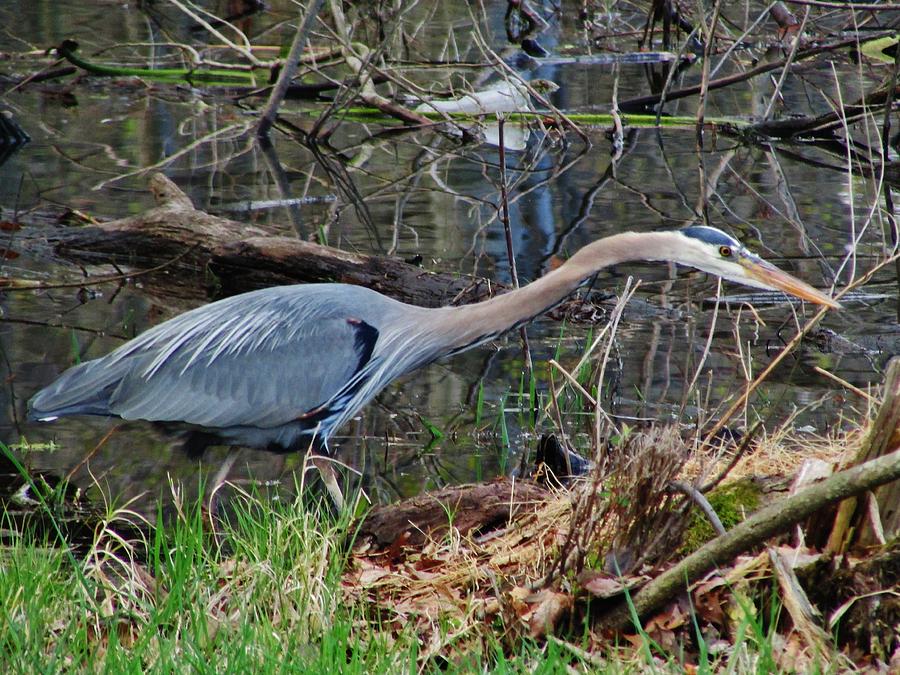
769 275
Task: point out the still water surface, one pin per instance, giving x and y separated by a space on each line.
421 194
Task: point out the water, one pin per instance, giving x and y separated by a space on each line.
423 194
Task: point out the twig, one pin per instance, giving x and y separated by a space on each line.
670 77
706 347
700 500
41 75
216 134
787 67
738 454
245 50
93 452
95 280
704 79
841 381
574 382
361 67
789 347
510 253
270 112
739 40
756 529
614 319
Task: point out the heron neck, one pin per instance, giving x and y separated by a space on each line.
472 324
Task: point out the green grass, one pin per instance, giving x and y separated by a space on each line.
262 592
260 595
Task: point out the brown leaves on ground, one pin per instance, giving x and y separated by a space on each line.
529 578
472 579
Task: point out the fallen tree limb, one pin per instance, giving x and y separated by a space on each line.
241 258
231 257
467 508
763 524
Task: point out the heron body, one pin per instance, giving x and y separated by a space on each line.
280 367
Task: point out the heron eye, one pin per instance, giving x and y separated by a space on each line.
725 251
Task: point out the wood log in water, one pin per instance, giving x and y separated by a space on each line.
232 257
241 258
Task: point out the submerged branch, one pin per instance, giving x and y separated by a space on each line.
68 48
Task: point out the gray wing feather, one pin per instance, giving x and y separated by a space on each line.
301 343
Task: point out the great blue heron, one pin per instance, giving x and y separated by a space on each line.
283 368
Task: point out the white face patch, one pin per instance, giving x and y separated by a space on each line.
712 251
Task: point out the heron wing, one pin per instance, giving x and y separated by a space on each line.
263 360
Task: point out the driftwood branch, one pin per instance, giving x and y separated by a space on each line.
466 508
763 524
853 524
231 257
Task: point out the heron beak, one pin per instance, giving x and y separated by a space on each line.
766 273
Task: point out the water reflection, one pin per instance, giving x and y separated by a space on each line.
426 194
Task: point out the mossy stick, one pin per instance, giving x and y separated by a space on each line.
763 524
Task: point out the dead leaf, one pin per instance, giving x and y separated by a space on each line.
668 619
550 609
711 606
369 572
602 585
396 549
425 564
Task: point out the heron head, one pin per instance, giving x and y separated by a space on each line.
713 251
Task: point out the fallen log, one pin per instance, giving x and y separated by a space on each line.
236 257
470 509
231 257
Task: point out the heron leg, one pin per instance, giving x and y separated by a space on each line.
325 465
221 476
320 457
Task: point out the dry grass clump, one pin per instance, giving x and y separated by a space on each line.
536 573
522 575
